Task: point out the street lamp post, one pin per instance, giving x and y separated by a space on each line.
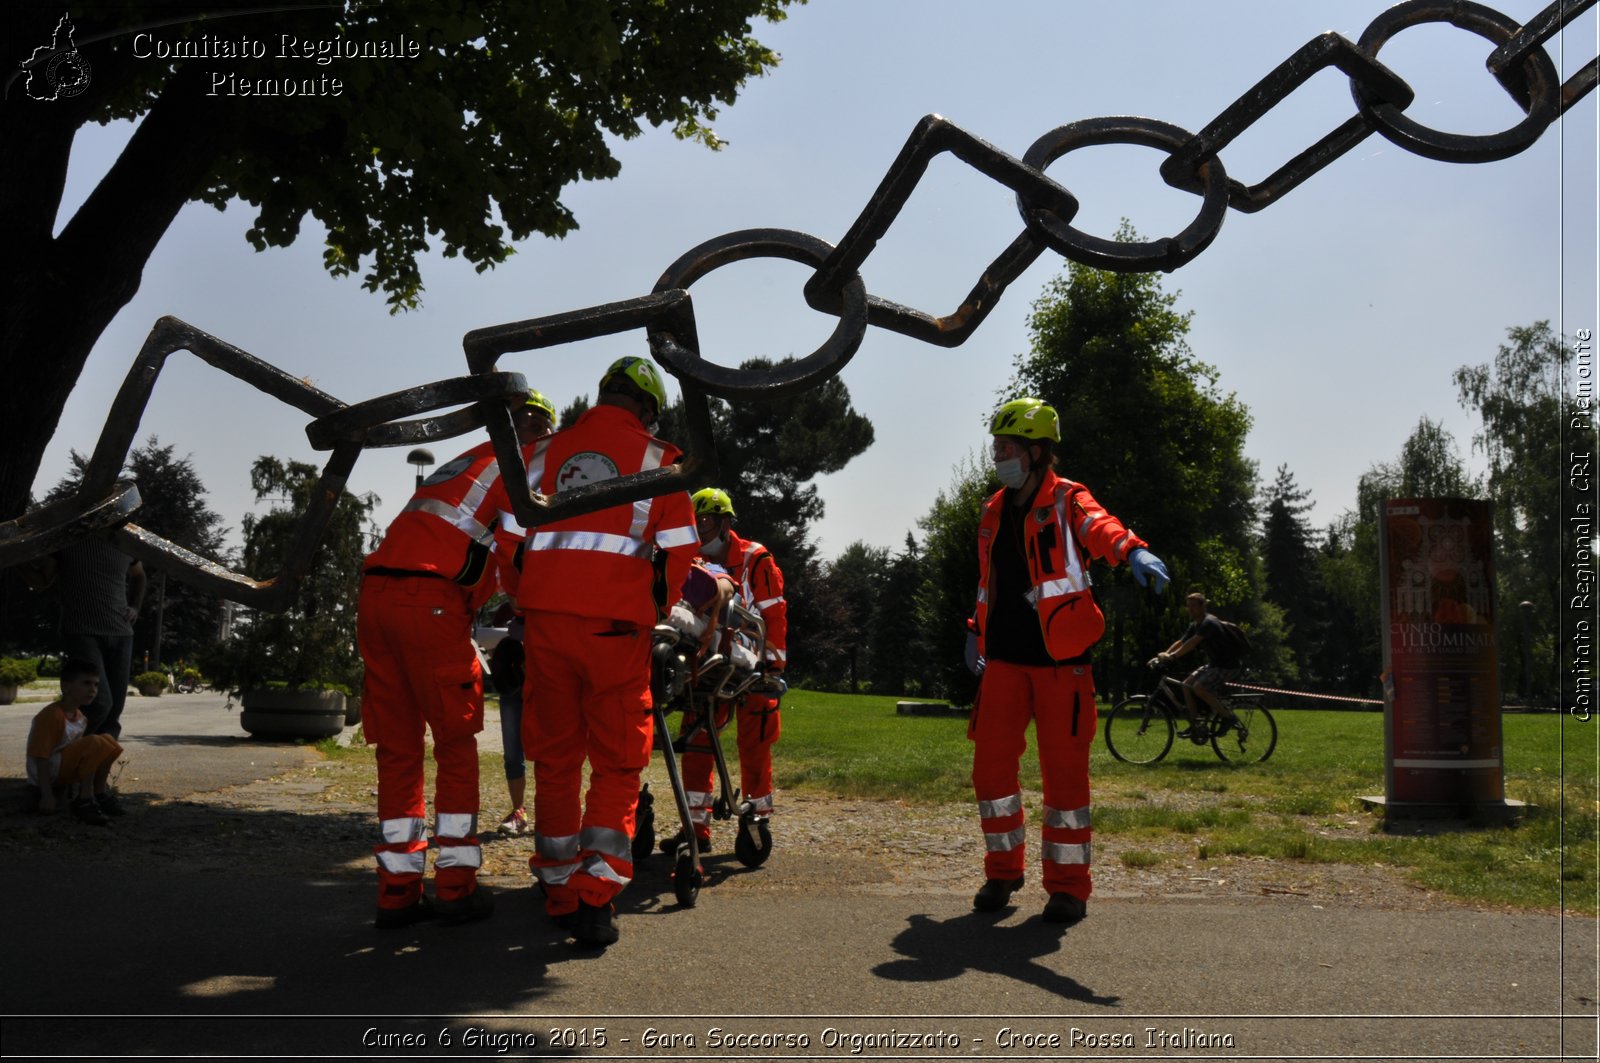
421 458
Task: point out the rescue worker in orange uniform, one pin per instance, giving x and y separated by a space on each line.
589 605
760 588
1035 625
420 590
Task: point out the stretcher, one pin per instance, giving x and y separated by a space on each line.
703 685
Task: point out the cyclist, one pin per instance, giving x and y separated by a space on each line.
1209 681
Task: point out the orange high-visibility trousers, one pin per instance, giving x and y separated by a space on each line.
759 725
415 635
586 696
1060 702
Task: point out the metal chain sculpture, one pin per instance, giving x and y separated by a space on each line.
1519 62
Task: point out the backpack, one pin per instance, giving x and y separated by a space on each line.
1236 639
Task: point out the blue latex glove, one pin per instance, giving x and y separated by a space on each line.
975 663
1145 565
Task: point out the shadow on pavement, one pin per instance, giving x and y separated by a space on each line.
935 951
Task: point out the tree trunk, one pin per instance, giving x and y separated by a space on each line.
61 292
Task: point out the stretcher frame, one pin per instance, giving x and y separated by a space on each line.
682 680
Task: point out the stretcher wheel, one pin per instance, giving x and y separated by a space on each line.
754 842
720 808
686 878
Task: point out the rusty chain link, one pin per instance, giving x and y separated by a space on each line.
1518 62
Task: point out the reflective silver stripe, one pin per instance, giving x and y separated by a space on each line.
653 453
556 875
559 847
1121 542
1004 843
562 850
599 542
667 538
459 856
454 516
1062 853
404 863
1088 518
778 655
1076 577
767 603
409 829
983 594
699 803
605 840
1001 806
761 804
508 521
1070 819
596 866
536 463
456 824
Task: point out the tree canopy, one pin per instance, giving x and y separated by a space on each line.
1519 397
462 137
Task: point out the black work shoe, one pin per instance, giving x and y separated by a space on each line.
670 844
109 804
85 809
400 918
996 894
479 904
1182 732
596 926
1065 908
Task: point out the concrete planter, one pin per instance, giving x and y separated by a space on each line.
292 713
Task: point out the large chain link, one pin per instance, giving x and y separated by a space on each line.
1194 164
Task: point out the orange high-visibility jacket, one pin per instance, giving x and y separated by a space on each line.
761 584
602 564
448 526
1063 513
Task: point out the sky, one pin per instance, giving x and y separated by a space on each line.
1337 315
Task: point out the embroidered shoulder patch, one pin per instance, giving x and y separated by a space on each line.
585 468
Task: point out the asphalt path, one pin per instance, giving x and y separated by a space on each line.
260 961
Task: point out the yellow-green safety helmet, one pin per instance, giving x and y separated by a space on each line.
712 502
1027 417
643 374
538 402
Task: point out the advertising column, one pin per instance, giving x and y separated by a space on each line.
1442 749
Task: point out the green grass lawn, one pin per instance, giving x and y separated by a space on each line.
1298 805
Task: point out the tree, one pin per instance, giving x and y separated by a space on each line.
841 651
465 134
768 453
1289 570
177 621
1145 426
950 583
312 643
1429 466
899 648
1519 398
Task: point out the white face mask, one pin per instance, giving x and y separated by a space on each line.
1011 472
715 547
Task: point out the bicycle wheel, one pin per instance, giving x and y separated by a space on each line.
1251 739
1139 731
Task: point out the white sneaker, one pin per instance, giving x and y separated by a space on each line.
516 822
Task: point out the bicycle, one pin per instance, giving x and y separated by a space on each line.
1140 730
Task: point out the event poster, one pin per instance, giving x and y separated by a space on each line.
1442 742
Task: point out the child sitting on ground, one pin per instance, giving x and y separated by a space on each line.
60 754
